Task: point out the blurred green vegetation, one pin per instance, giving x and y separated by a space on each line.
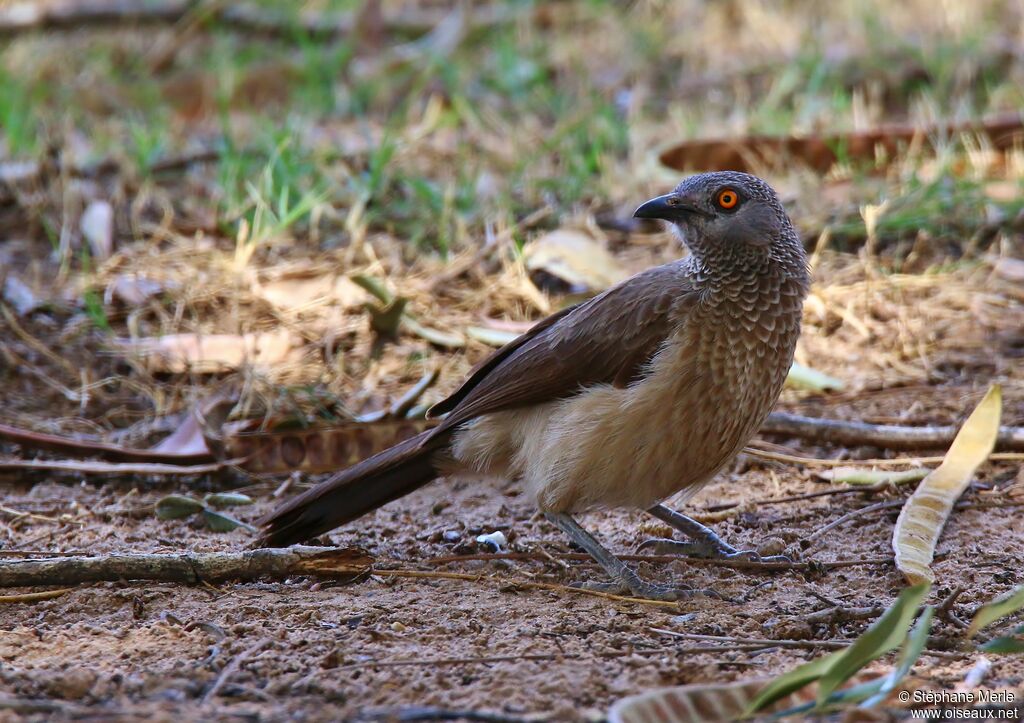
562 104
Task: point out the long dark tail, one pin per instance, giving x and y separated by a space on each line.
353 492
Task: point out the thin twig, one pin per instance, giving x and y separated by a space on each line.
86 466
944 609
760 642
899 462
886 436
833 616
19 514
230 669
887 504
35 596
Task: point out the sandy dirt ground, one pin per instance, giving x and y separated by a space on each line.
302 649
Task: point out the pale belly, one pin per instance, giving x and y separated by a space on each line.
612 447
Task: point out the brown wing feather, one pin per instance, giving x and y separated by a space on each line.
487 365
608 339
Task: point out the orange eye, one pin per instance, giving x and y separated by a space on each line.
728 198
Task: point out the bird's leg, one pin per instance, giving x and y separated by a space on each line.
623 577
704 542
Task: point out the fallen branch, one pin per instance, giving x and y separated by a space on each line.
23 17
39 705
886 436
348 564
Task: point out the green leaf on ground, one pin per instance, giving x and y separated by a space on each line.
226 499
219 522
174 507
861 476
803 377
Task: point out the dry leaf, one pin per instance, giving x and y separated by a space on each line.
28 439
97 226
210 353
293 292
316 450
803 377
751 153
1010 269
698 702
926 511
133 289
491 337
573 260
21 296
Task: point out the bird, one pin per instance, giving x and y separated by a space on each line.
641 393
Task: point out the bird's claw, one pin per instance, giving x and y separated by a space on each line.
640 589
706 550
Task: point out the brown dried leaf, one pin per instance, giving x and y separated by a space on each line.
1010 269
20 295
186 439
754 152
210 353
294 292
317 450
29 439
97 226
572 260
699 702
134 289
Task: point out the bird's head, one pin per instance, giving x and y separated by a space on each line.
725 214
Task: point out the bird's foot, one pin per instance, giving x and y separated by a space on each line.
640 589
706 549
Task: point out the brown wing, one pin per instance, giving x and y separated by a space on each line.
487 365
608 339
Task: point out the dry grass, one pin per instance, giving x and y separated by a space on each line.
251 177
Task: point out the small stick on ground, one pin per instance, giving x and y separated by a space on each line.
836 615
878 506
230 669
34 596
348 563
885 436
944 609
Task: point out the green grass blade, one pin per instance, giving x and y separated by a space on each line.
884 634
998 607
912 650
793 680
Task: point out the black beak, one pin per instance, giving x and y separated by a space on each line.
669 207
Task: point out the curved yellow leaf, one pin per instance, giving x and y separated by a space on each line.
925 513
705 702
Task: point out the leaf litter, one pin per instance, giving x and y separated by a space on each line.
913 327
